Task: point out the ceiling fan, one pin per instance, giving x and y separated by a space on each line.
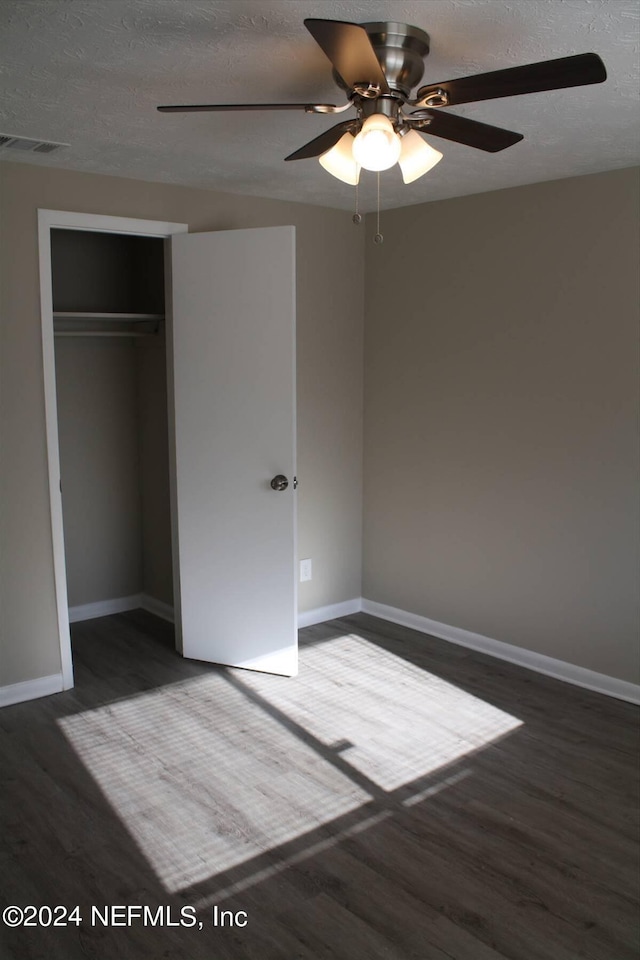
378 65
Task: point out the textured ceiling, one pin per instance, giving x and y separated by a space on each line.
91 72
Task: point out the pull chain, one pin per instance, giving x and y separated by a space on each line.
357 218
378 237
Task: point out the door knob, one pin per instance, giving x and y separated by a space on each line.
279 483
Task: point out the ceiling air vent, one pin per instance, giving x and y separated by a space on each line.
8 142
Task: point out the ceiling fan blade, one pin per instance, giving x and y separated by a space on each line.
533 78
470 132
348 47
324 142
219 107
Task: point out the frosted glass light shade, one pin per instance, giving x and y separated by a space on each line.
416 156
339 162
377 146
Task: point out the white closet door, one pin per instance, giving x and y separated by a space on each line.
233 347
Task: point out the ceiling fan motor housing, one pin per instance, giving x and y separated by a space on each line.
401 50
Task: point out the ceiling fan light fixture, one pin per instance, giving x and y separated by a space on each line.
377 146
417 157
339 160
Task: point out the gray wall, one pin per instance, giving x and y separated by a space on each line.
114 459
330 287
501 417
96 386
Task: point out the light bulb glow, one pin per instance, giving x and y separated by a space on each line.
339 161
377 146
417 157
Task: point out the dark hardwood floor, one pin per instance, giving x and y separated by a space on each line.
402 798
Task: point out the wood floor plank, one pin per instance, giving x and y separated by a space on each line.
401 799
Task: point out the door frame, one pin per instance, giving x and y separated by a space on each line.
49 220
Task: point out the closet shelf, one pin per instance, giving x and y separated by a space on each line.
84 315
89 330
100 333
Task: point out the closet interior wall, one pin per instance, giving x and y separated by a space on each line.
112 416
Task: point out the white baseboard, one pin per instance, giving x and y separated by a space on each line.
559 669
104 608
158 607
334 610
31 689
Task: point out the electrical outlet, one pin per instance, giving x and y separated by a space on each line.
305 570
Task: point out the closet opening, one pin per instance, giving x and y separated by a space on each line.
106 375
111 393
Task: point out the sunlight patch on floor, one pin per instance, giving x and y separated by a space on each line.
174 765
215 771
401 721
